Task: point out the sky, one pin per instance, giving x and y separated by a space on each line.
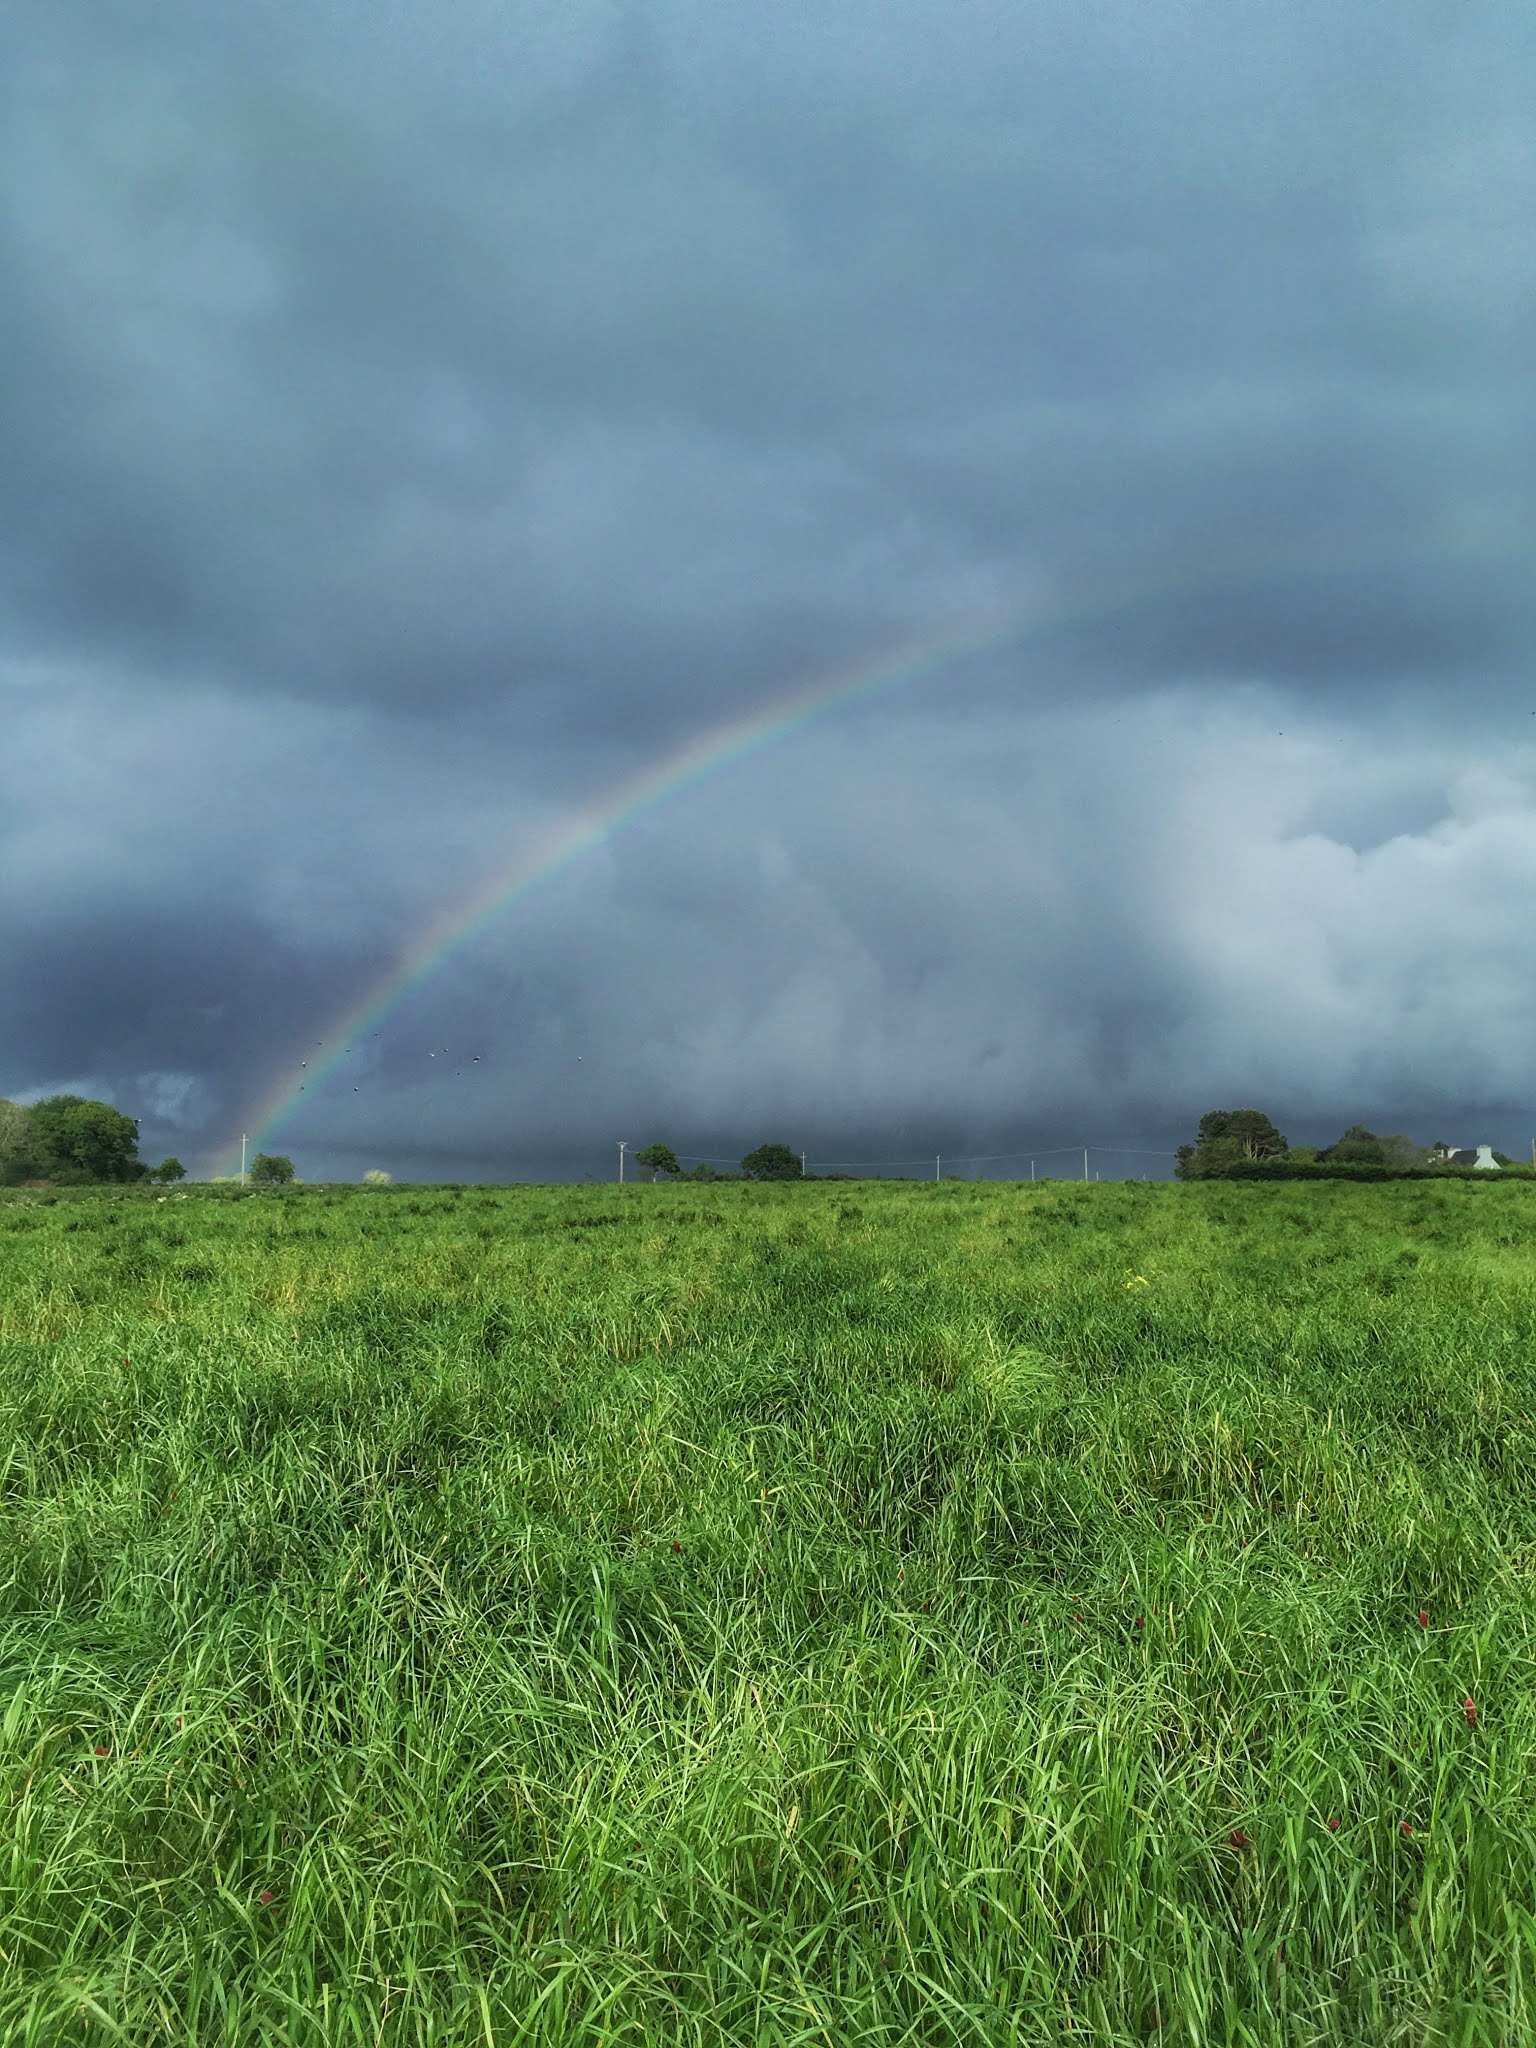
421 424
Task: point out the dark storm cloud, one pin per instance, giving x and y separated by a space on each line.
412 420
410 394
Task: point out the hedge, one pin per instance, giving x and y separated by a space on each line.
1295 1169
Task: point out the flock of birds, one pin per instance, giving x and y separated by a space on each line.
446 1053
474 1061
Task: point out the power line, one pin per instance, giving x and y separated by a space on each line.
968 1159
1141 1151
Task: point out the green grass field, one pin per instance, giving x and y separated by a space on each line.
832 1614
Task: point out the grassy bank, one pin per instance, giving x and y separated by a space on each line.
830 1614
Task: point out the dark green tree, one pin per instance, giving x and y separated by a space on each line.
1399 1150
660 1159
81 1141
167 1171
1357 1147
773 1162
20 1152
1227 1137
271 1172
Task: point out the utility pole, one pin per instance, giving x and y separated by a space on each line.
242 1156
622 1143
1085 1162
802 1164
936 1158
1031 1169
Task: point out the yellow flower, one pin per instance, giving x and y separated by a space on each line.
1136 1280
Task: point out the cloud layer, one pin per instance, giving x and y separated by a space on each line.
417 421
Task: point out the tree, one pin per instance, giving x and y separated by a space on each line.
271 1172
1400 1151
376 1177
773 1162
1357 1147
1227 1137
81 1141
660 1159
20 1153
167 1171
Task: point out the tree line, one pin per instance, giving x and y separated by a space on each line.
1235 1141
70 1141
73 1142
768 1162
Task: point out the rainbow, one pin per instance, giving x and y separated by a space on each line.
721 746
582 831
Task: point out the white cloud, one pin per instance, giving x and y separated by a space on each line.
177 1099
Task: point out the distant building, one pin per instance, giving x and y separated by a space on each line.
1482 1157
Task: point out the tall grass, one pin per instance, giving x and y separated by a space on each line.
833 1614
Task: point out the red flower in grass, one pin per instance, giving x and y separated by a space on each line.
1139 1622
1238 1839
1407 1829
1333 1823
1423 1617
102 1752
1469 1708
676 1547
266 1898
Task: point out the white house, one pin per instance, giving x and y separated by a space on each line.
1482 1157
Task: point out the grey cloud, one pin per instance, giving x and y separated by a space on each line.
414 422
354 350
1052 962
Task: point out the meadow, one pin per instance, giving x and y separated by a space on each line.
841 1613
